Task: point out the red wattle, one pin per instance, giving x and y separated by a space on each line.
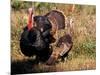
30 23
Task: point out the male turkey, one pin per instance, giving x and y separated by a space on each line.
35 42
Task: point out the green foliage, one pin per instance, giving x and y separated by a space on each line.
88 10
87 48
17 5
79 8
42 8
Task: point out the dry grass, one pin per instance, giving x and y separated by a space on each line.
70 65
81 57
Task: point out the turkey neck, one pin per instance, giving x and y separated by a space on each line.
30 21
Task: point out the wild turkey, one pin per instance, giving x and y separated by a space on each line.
35 42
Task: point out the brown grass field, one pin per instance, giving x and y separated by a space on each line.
83 53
